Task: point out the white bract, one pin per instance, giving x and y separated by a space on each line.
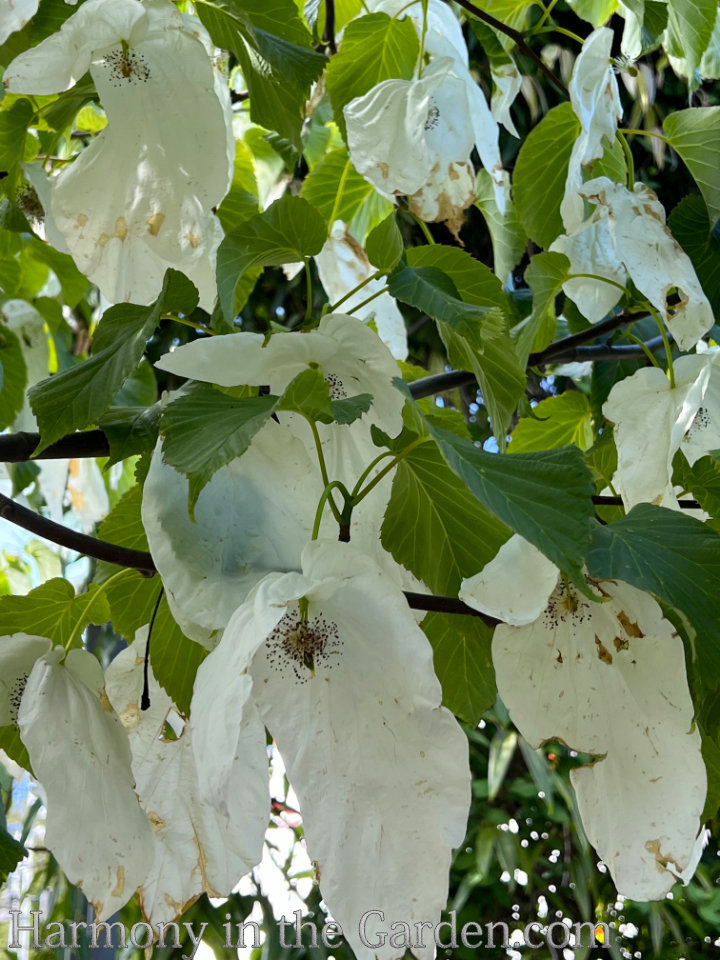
626 234
350 696
167 150
14 14
607 679
25 321
257 513
342 264
654 420
508 83
415 137
81 757
196 848
596 101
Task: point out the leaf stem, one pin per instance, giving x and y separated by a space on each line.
424 227
648 353
363 476
546 16
338 196
327 498
374 296
308 290
358 495
359 286
323 466
193 324
628 158
666 344
644 133
595 276
101 590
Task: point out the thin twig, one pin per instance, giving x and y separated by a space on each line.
604 501
329 32
517 37
81 542
425 601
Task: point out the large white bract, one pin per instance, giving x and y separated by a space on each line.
349 693
167 150
14 14
608 679
80 754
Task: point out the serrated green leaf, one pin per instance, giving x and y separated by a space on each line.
338 192
690 225
384 245
13 376
204 429
508 237
435 526
556 422
463 663
702 480
289 230
374 48
13 131
130 430
53 610
174 658
689 28
596 12
74 284
545 276
695 134
543 497
543 160
79 396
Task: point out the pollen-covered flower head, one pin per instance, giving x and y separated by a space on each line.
139 199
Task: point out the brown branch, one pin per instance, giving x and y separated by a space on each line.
517 37
19 447
81 542
603 501
433 604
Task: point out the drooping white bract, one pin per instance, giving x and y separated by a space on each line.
25 321
514 585
80 754
343 264
14 14
595 99
654 420
167 149
351 698
609 679
626 234
508 83
197 847
257 512
415 137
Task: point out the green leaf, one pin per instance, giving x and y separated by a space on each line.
13 746
474 282
674 557
475 334
435 526
541 172
130 430
79 396
702 479
204 429
463 663
241 202
174 658
374 48
384 245
596 12
543 497
556 422
11 853
695 134
74 284
13 376
545 276
690 225
13 132
53 610
508 237
274 49
690 26
338 192
289 230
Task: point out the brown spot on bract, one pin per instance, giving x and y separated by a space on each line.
105 703
154 223
193 239
452 173
102 240
620 644
157 821
316 865
121 228
559 657
117 890
603 652
82 219
384 169
629 626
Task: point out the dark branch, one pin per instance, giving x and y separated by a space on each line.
90 546
424 601
329 32
18 447
517 37
604 501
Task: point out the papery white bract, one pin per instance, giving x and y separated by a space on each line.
80 754
609 679
14 14
197 846
508 82
351 698
595 99
652 420
167 149
342 264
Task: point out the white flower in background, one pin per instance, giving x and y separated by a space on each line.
197 848
508 83
654 420
81 757
595 99
415 137
257 513
627 235
14 14
29 326
608 679
167 150
350 696
342 264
